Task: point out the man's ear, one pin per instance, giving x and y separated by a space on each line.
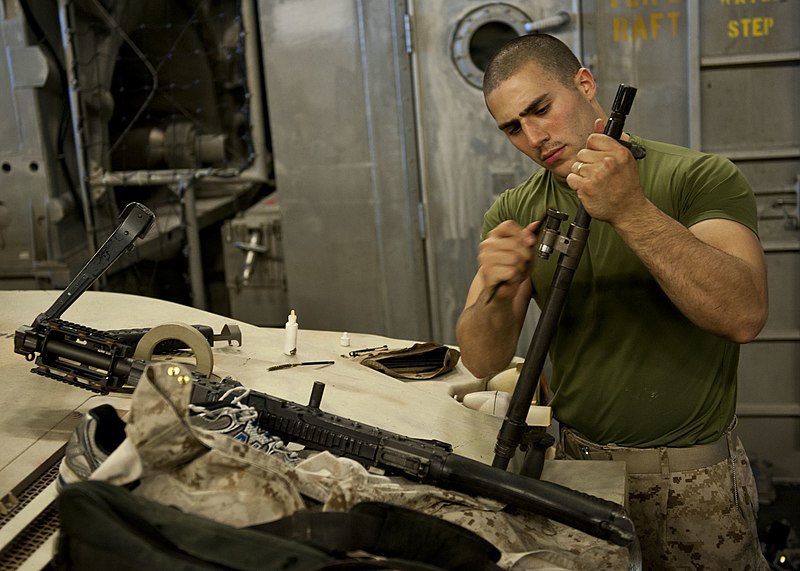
585 84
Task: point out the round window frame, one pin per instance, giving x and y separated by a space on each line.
465 30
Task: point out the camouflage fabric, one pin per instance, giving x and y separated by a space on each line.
526 540
202 472
702 519
211 474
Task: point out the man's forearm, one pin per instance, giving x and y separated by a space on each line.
487 336
717 290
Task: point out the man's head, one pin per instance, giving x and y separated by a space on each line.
553 56
542 99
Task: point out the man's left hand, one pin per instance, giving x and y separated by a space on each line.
606 177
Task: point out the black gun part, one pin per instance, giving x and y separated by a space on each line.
136 222
98 361
72 353
514 429
75 354
433 462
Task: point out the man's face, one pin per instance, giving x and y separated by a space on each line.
545 119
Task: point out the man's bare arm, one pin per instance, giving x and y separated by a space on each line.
714 272
488 329
487 333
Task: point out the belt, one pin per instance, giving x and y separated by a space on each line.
661 460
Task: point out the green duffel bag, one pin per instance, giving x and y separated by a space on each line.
104 526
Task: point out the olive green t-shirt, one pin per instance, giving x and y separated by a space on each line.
628 367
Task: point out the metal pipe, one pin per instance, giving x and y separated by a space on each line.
175 176
694 86
560 19
258 169
186 191
70 63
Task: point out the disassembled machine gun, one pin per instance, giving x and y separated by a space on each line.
104 361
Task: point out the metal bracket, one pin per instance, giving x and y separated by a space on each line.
791 220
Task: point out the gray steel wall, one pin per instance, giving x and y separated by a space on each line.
41 235
747 93
338 89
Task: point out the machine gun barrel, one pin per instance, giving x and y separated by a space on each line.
590 514
433 462
514 427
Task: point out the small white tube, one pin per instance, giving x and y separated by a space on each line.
290 335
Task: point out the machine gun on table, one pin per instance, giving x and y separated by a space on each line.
427 461
100 361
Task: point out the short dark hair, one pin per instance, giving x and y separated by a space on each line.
550 53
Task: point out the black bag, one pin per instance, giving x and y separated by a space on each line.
104 526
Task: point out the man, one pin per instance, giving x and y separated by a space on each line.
671 281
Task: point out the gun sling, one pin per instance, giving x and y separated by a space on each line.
391 531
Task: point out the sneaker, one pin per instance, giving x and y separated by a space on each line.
240 422
97 435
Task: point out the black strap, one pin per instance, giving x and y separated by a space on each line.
389 531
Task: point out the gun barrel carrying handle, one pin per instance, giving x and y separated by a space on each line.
136 222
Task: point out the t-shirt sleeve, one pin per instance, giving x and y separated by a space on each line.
497 213
715 188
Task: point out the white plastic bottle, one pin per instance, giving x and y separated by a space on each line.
290 335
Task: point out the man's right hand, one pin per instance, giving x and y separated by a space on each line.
506 258
497 302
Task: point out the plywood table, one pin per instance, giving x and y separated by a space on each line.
39 413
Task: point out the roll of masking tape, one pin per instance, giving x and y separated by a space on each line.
187 334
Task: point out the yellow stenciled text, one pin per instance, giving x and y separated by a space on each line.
640 3
745 2
750 27
646 27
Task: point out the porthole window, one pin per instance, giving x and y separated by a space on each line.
480 34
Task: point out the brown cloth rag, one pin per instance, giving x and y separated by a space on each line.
421 361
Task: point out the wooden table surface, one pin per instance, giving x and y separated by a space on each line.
39 414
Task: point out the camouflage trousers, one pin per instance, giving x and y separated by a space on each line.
701 519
